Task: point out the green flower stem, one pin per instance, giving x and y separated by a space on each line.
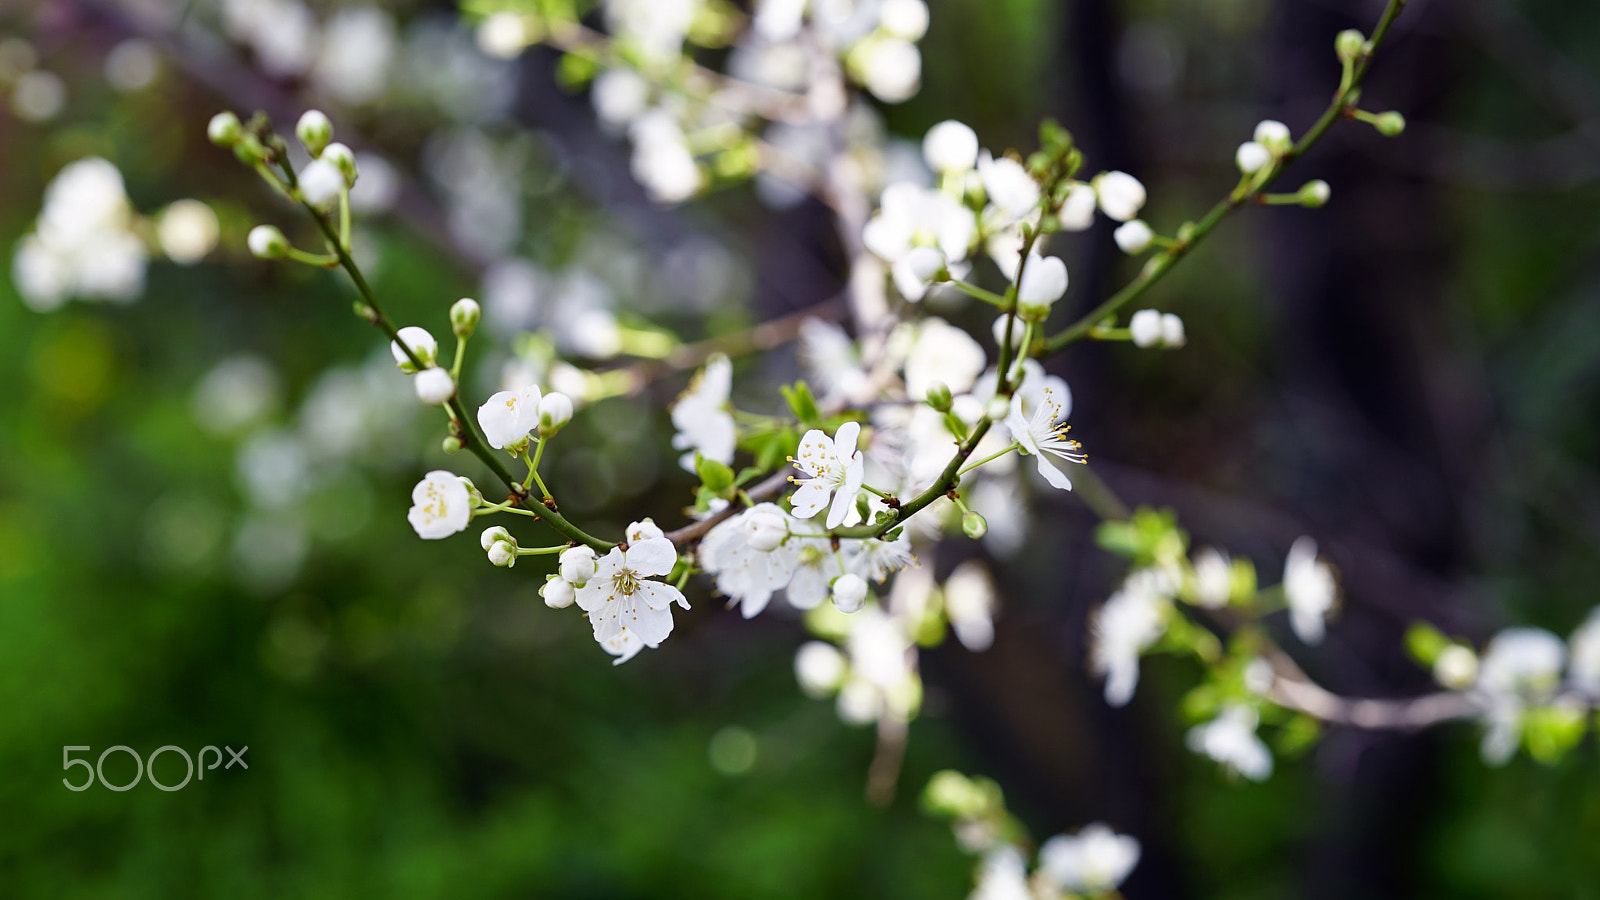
320 260
990 458
344 217
533 471
977 293
465 424
1341 107
872 490
541 551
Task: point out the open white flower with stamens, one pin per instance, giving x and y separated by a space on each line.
440 505
508 416
749 556
1041 436
621 596
702 418
834 468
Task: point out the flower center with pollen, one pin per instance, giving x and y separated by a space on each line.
625 581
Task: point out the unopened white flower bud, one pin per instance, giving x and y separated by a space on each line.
495 533
422 345
1044 280
502 554
1252 157
224 129
906 19
464 316
1314 194
1273 135
577 565
555 411
997 409
434 386
343 159
974 525
474 496
767 528
1349 45
1145 328
849 592
314 131
321 182
1390 124
950 146
267 242
1456 667
1133 237
1121 195
557 593
1172 331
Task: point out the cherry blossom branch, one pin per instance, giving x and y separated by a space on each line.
1343 106
1293 689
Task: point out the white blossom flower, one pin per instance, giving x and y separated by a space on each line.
832 363
1043 436
910 215
1456 667
1231 740
1273 135
748 565
833 468
494 534
877 559
1133 237
555 411
819 667
507 416
1002 875
942 354
1172 331
621 596
83 244
1309 589
1145 328
891 68
662 160
1121 195
577 564
906 19
187 231
1128 624
434 386
1523 663
950 147
914 272
440 505
816 564
1010 188
1091 862
503 554
619 96
702 418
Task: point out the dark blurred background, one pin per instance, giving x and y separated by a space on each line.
198 547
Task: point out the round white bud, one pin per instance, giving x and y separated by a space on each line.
314 131
557 593
577 565
1077 210
434 386
767 529
464 317
1273 135
321 182
950 146
1252 157
1314 194
503 554
997 409
849 592
1172 331
1145 328
267 242
1121 195
1044 280
422 345
496 533
904 18
555 411
1133 237
343 159
224 129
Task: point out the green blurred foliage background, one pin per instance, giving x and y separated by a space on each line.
421 726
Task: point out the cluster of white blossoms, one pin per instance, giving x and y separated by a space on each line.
87 241
1091 863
